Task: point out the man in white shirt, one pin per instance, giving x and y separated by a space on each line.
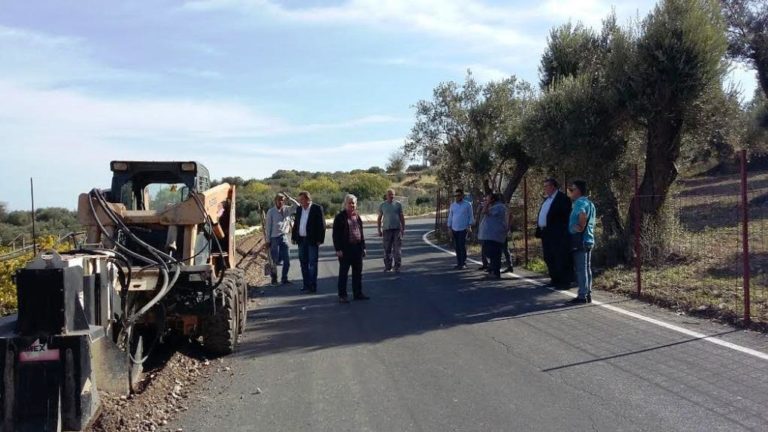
552 229
460 220
308 233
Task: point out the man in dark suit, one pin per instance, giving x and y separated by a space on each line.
308 233
349 242
552 228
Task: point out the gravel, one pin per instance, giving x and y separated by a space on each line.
174 374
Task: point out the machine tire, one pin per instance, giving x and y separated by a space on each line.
220 330
243 292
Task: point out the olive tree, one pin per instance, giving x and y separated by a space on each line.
748 34
678 56
580 126
472 133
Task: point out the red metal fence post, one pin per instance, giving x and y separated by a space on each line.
745 233
437 211
525 218
637 221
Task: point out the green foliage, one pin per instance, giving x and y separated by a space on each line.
255 188
416 168
19 218
9 267
756 136
748 35
320 184
166 196
366 186
237 181
472 133
396 162
427 199
570 49
715 128
678 55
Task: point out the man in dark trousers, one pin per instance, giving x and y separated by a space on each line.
552 228
349 242
308 233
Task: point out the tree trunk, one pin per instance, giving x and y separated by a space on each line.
609 210
661 153
760 56
521 167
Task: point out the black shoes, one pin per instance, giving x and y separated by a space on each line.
459 267
509 269
491 276
287 282
578 300
482 268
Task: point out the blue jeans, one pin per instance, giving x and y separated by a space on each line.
308 255
582 266
460 244
278 249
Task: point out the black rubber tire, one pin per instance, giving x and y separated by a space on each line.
243 300
220 330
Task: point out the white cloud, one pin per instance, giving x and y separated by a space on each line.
467 21
67 138
485 73
40 59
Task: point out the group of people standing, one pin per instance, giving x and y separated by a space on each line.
306 226
565 226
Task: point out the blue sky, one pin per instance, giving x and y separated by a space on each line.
245 86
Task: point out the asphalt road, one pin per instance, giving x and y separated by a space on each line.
440 350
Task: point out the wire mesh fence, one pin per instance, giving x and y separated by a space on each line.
757 201
705 253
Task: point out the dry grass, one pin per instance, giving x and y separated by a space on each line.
699 269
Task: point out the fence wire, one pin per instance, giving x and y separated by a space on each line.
691 259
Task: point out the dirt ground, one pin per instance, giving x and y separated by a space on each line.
174 373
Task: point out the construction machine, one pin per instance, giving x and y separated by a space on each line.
157 263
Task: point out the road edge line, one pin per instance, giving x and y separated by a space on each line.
654 321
